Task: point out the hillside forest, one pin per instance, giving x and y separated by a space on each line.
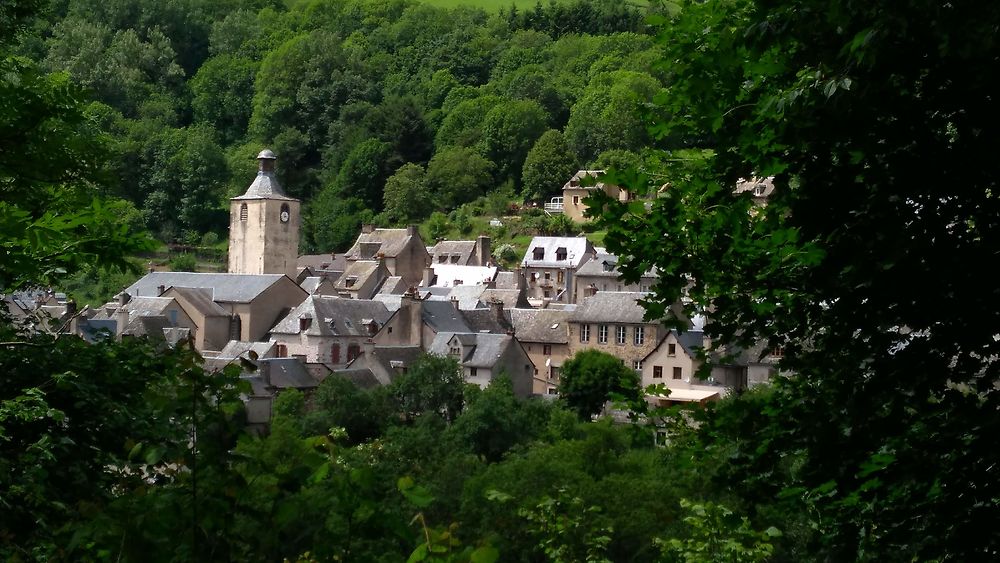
379 111
866 270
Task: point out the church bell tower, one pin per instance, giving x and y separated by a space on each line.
264 225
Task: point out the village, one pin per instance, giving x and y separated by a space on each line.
291 321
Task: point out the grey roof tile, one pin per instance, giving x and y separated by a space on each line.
229 288
610 307
550 326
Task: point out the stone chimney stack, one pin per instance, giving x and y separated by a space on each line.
428 277
483 250
367 228
496 309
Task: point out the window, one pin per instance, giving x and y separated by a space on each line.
547 349
584 333
473 372
546 294
678 373
282 351
538 253
548 275
560 275
235 328
551 391
243 212
442 258
657 372
353 351
350 281
671 350
758 191
639 335
335 354
454 258
455 351
305 323
553 372
576 200
620 334
172 313
778 352
561 253
390 330
637 365
602 334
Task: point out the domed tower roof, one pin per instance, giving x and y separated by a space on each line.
265 185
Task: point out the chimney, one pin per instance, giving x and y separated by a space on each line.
123 298
454 303
496 308
413 307
411 230
70 308
367 228
519 280
264 369
483 248
160 289
428 277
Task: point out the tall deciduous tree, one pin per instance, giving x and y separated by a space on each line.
878 124
406 197
591 378
608 115
548 166
458 175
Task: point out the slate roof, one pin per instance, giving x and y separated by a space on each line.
311 283
485 320
93 330
464 249
447 274
393 285
550 326
360 269
241 348
511 298
574 182
334 316
578 250
391 356
505 280
362 377
486 349
150 325
201 300
442 316
468 296
608 307
595 267
265 186
391 242
230 288
288 373
323 262
146 306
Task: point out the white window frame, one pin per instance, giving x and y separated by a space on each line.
639 335
602 334
620 335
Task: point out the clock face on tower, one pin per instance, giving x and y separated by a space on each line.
284 216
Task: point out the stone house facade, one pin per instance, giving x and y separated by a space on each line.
613 322
544 335
550 264
329 330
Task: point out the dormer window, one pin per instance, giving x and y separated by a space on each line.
538 253
350 281
442 259
454 258
608 266
561 253
455 351
758 191
305 323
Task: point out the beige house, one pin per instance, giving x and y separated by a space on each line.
550 264
252 303
403 251
544 335
485 356
329 330
574 192
613 322
264 226
674 361
212 322
600 273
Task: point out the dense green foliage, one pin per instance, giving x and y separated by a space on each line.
346 93
877 124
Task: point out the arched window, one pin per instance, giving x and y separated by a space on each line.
243 212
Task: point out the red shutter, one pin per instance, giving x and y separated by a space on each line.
335 354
